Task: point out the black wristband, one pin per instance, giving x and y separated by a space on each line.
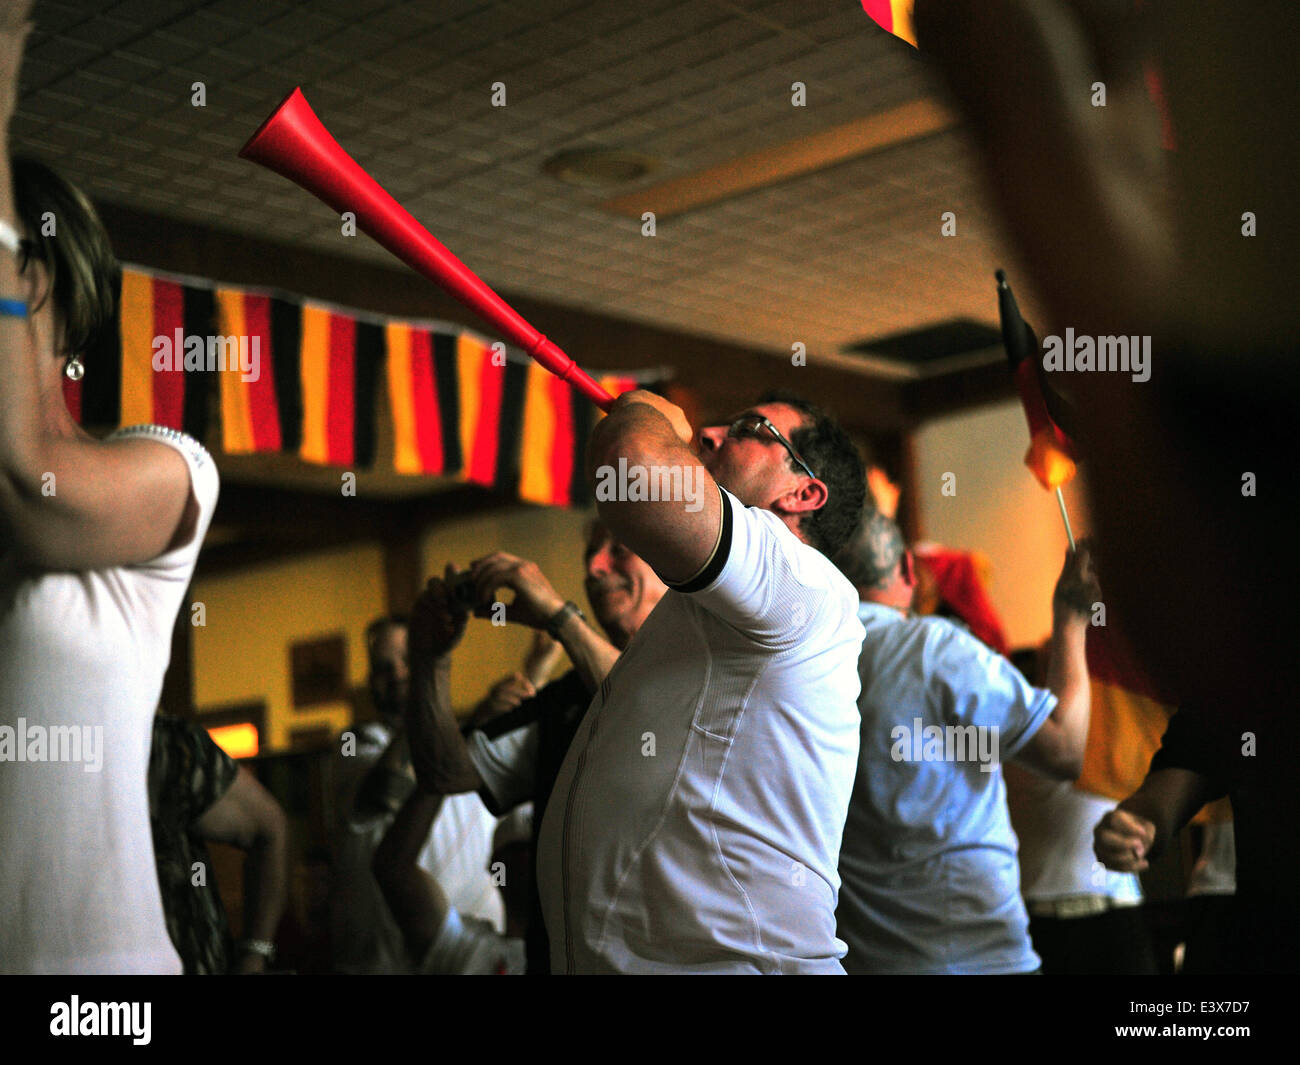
556 620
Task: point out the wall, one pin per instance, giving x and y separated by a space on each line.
999 508
254 616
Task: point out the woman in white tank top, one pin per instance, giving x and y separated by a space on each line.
98 541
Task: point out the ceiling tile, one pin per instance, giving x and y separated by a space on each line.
841 254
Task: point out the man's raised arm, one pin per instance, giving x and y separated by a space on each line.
1140 827
537 604
1058 747
416 900
642 448
247 816
438 752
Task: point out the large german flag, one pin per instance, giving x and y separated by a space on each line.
1129 716
423 394
960 582
163 330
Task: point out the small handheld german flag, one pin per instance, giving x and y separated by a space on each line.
894 16
1051 455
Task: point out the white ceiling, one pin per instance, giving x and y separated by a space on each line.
848 253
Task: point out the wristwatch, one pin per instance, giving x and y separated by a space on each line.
264 947
556 620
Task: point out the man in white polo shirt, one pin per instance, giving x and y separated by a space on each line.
696 821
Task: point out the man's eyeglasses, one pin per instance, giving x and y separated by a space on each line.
756 427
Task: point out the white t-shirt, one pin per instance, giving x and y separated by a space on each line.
458 852
1055 822
84 653
507 763
696 821
466 946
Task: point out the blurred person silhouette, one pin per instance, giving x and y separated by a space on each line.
375 777
1208 908
439 939
198 794
1203 756
1143 162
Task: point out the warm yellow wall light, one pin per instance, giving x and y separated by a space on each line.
238 741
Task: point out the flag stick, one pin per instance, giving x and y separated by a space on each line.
1060 498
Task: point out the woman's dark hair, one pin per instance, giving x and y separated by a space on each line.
64 234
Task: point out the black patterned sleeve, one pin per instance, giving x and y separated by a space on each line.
194 773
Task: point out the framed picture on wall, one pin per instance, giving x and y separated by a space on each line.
319 669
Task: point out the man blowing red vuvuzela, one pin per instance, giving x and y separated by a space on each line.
696 821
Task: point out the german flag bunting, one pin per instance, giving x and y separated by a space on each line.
422 394
510 417
328 385
585 416
200 314
446 373
261 395
546 474
556 425
481 385
366 368
148 369
153 327
411 399
303 378
250 420
286 371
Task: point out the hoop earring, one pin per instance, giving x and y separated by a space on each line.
74 371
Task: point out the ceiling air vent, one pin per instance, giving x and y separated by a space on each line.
937 349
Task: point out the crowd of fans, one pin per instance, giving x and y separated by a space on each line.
761 760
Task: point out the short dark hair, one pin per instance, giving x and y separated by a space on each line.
870 556
388 621
77 256
826 447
